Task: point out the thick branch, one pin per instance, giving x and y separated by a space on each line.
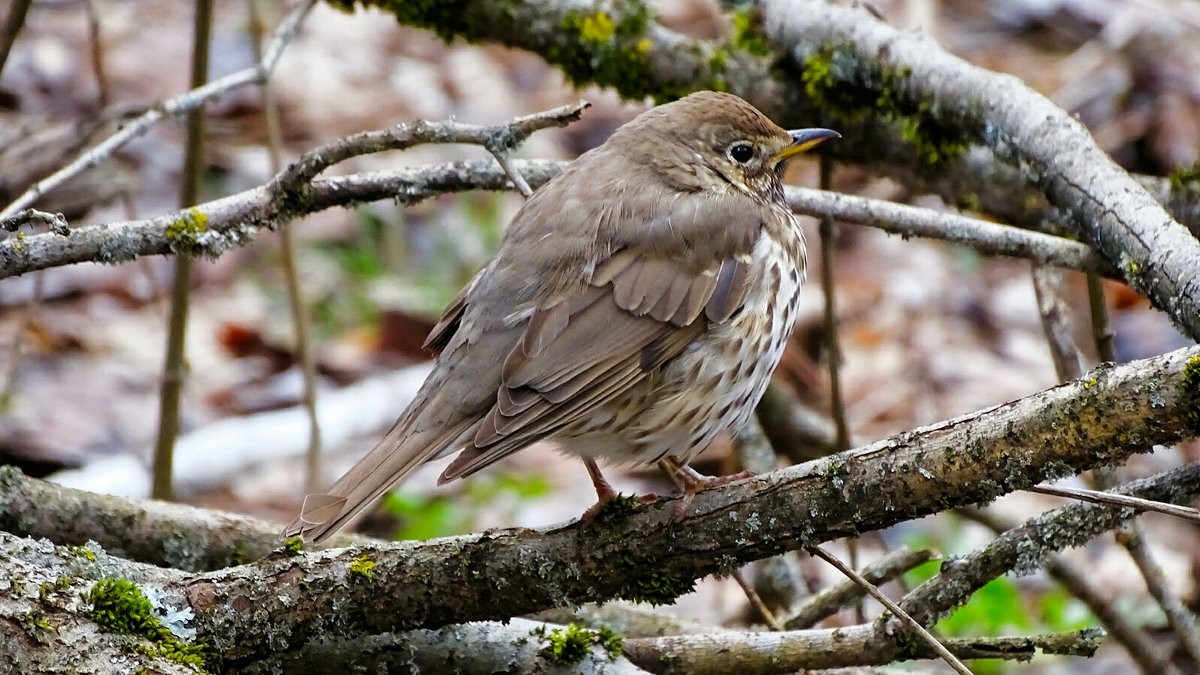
1115 411
44 606
149 531
1155 254
478 648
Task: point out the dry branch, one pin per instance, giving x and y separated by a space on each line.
792 651
210 229
277 604
1140 646
1155 254
832 600
1024 549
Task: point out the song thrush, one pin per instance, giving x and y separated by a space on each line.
636 309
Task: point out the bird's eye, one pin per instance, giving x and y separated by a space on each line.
741 153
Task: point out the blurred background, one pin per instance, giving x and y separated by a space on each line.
928 330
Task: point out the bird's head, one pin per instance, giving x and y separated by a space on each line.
712 141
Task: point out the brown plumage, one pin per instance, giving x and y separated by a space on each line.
636 308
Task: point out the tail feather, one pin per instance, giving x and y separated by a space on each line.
400 453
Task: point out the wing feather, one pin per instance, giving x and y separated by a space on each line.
729 292
574 355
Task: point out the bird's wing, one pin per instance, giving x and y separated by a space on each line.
637 313
451 319
667 268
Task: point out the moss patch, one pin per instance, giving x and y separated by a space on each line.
119 606
35 623
656 587
362 567
615 510
608 47
1190 384
745 35
184 232
570 645
293 546
838 84
597 47
1186 177
81 552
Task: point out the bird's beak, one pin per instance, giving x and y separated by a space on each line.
805 139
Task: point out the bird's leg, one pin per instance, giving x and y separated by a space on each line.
692 482
604 492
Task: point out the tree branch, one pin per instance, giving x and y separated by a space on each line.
1024 549
771 653
1156 255
640 553
179 105
210 229
950 104
839 596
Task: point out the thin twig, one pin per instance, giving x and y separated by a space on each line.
496 137
96 48
12 27
287 240
189 189
1181 620
1139 505
1102 330
1055 316
985 237
829 601
757 602
179 105
1147 655
892 607
833 351
502 156
55 222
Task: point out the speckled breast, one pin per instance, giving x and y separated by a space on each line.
716 384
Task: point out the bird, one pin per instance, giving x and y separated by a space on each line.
635 309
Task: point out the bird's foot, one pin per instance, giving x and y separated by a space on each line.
605 494
691 483
602 503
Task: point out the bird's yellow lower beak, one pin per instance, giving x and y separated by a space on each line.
805 139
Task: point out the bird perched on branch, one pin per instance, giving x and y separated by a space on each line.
636 309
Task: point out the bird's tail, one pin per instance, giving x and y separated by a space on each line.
405 447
